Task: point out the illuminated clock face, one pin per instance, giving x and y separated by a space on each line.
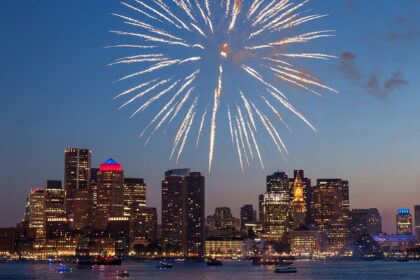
298 192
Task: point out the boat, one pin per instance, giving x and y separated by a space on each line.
180 260
402 259
99 260
286 269
164 264
214 262
62 268
123 274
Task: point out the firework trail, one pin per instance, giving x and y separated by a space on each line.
170 47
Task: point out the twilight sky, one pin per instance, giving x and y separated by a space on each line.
57 92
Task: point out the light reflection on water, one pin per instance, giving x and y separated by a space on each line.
231 270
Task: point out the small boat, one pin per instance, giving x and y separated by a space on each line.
123 274
214 262
164 265
62 268
180 260
286 269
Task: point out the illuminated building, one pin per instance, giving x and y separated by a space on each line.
298 204
83 208
404 222
276 213
36 212
276 205
222 223
110 193
76 173
58 227
305 242
417 223
277 183
248 214
392 243
365 221
307 194
54 200
224 248
143 226
183 212
253 229
134 194
331 212
118 227
93 184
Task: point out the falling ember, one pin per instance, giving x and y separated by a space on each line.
225 50
170 42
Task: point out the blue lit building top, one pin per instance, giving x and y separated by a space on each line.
403 211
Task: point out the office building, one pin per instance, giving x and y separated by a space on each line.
331 212
143 226
134 194
404 222
110 193
76 173
36 212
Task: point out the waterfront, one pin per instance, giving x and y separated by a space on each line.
232 270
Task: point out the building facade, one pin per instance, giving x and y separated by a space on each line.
183 212
404 222
365 221
76 173
417 223
331 212
110 193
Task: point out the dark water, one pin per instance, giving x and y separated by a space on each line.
232 270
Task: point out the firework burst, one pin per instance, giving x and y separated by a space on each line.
178 42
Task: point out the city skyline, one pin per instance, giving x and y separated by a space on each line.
59 94
278 182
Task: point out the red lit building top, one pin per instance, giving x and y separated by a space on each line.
110 165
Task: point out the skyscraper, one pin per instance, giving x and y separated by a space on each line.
110 193
277 182
331 213
183 212
36 212
276 205
298 204
307 194
83 208
248 214
404 222
134 194
76 173
417 223
54 200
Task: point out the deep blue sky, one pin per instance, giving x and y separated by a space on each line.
56 92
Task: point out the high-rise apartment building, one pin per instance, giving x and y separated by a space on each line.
110 193
76 173
404 222
331 212
183 212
